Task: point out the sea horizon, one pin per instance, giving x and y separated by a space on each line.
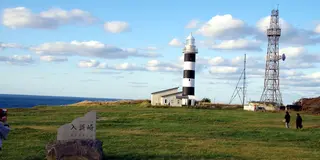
28 101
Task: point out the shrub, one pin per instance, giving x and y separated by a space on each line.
206 100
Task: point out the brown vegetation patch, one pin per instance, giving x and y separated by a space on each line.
107 110
310 104
108 103
316 126
106 118
140 132
44 128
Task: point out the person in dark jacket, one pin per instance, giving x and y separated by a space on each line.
298 121
287 119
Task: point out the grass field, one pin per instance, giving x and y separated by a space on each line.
138 132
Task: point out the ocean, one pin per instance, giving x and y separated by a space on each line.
27 101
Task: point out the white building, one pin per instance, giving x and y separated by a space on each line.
257 106
170 97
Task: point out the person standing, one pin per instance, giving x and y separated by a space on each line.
287 119
4 127
298 121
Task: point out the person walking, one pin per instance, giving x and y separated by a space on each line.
287 119
4 127
298 121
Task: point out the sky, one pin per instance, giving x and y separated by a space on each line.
128 49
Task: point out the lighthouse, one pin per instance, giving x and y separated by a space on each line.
188 89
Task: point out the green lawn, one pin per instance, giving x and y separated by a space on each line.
137 132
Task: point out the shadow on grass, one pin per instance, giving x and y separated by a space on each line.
162 156
34 158
142 157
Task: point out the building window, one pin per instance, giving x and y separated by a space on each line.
178 101
165 100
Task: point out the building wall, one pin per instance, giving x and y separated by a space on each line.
185 102
171 100
156 98
251 106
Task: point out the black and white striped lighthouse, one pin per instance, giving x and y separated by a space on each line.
188 89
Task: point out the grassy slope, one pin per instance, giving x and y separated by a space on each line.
131 131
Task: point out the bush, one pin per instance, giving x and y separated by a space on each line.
145 104
206 100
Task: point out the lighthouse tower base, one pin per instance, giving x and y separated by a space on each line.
188 101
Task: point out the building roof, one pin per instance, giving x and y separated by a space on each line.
165 90
171 94
182 97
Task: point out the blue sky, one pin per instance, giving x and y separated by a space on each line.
128 49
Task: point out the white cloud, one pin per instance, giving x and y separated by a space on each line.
315 76
252 62
152 65
88 64
151 51
175 42
292 52
150 48
127 66
21 17
9 45
155 65
298 57
317 29
193 24
289 34
17 59
96 64
124 66
216 61
223 70
117 26
220 68
289 73
53 59
264 23
88 49
239 44
224 27
299 81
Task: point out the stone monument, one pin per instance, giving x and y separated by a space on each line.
77 140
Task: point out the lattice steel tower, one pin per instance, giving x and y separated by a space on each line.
271 92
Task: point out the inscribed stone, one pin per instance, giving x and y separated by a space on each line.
79 128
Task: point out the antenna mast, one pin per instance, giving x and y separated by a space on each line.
244 81
238 88
271 92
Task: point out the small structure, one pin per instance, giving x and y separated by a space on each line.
170 97
257 105
249 107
